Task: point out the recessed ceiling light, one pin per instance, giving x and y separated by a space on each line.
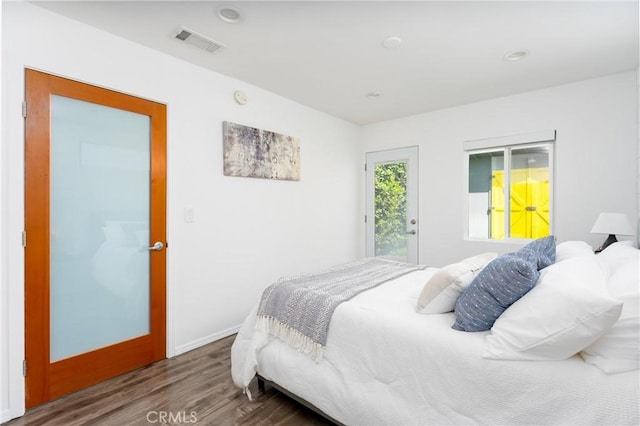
515 55
229 14
391 42
373 95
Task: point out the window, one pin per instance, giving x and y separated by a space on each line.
509 187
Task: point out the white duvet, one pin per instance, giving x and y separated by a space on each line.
385 364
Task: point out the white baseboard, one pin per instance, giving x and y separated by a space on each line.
206 340
5 416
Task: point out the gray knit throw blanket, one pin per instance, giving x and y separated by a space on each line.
298 309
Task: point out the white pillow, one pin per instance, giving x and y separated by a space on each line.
440 293
618 350
567 310
569 249
618 254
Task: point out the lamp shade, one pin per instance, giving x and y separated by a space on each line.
612 224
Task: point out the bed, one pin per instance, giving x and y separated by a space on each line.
565 352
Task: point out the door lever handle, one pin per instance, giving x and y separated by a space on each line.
157 246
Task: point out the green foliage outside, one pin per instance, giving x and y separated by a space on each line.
391 209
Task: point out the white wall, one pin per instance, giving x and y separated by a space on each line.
4 291
247 232
596 158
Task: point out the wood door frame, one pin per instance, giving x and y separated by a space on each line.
39 387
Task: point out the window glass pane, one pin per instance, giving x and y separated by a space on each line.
486 195
529 192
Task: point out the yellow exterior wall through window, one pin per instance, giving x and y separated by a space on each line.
529 203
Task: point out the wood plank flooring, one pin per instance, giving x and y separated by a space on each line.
191 389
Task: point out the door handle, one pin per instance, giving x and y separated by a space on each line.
412 232
157 246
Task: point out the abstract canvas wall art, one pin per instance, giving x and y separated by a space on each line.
251 152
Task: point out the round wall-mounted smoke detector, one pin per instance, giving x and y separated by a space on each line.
240 97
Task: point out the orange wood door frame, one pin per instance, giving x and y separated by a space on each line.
45 380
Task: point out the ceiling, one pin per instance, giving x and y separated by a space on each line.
329 55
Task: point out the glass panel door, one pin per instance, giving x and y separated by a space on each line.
392 216
95 228
99 222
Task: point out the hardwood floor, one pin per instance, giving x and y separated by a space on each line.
191 389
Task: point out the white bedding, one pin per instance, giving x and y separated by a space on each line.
386 364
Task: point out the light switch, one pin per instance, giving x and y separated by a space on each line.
189 214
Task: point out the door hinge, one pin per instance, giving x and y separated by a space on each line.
24 239
365 218
24 109
24 368
365 167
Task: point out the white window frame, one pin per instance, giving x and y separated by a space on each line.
545 138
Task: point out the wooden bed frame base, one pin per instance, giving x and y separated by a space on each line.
262 382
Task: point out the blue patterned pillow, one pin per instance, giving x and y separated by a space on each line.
541 252
502 282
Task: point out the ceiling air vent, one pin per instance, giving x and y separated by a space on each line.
198 40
